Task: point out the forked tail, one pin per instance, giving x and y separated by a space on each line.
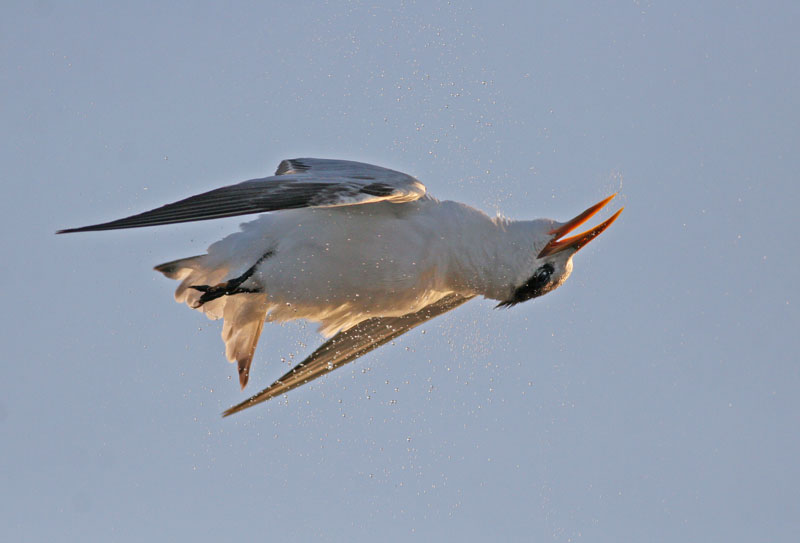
243 313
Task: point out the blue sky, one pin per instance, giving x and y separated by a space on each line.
652 398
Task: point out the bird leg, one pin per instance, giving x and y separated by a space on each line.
230 287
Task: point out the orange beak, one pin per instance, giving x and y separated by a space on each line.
576 242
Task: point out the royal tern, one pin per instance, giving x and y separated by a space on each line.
360 249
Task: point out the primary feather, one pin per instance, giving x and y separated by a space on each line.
297 183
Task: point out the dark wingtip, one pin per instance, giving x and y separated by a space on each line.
92 228
267 394
238 407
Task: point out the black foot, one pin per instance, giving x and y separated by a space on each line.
217 291
230 287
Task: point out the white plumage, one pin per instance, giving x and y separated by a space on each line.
365 273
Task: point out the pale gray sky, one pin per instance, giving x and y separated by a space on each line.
654 397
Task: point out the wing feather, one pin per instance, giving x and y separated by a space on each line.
348 345
297 183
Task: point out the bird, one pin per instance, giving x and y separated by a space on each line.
362 250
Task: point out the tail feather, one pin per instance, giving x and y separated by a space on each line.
196 270
178 269
243 314
244 319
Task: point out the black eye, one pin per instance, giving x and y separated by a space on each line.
543 274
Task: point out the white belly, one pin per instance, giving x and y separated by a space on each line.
340 266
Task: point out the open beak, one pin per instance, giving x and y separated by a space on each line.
576 242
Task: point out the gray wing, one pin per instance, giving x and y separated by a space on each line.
348 345
298 182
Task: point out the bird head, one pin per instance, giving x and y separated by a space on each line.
553 262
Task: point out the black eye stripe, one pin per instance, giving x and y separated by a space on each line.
534 286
